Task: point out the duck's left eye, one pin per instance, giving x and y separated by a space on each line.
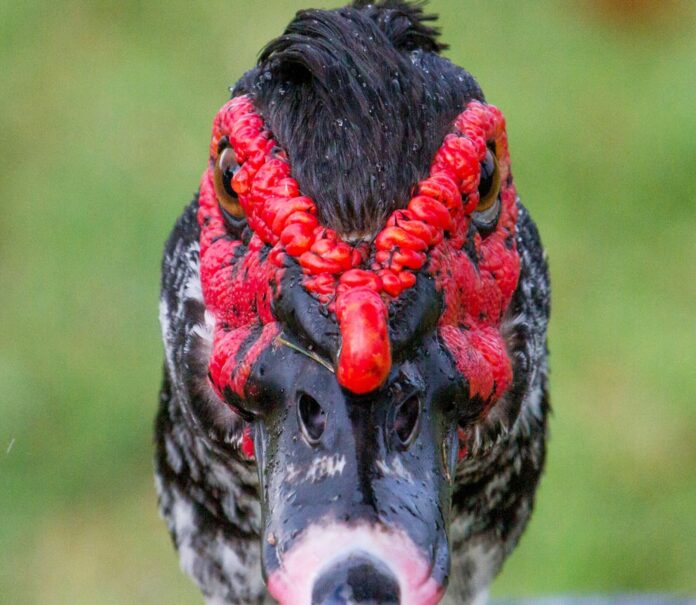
225 168
486 212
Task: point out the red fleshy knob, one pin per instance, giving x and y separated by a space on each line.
364 360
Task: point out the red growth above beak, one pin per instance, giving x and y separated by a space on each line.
364 360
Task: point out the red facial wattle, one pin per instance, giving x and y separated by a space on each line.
358 282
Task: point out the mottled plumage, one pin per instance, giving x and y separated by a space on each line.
360 101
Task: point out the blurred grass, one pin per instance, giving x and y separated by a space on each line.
105 110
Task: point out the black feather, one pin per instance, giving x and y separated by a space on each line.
404 23
359 78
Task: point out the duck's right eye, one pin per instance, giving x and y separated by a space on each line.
225 168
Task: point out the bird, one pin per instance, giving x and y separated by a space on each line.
354 311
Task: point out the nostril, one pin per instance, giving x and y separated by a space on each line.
406 419
358 580
312 418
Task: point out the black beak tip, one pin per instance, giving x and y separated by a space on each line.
358 579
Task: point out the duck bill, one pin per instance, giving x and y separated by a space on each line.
336 563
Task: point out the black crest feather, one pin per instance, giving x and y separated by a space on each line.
404 23
361 99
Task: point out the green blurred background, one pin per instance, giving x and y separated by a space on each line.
105 113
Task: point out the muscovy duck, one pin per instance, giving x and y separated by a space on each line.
354 311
